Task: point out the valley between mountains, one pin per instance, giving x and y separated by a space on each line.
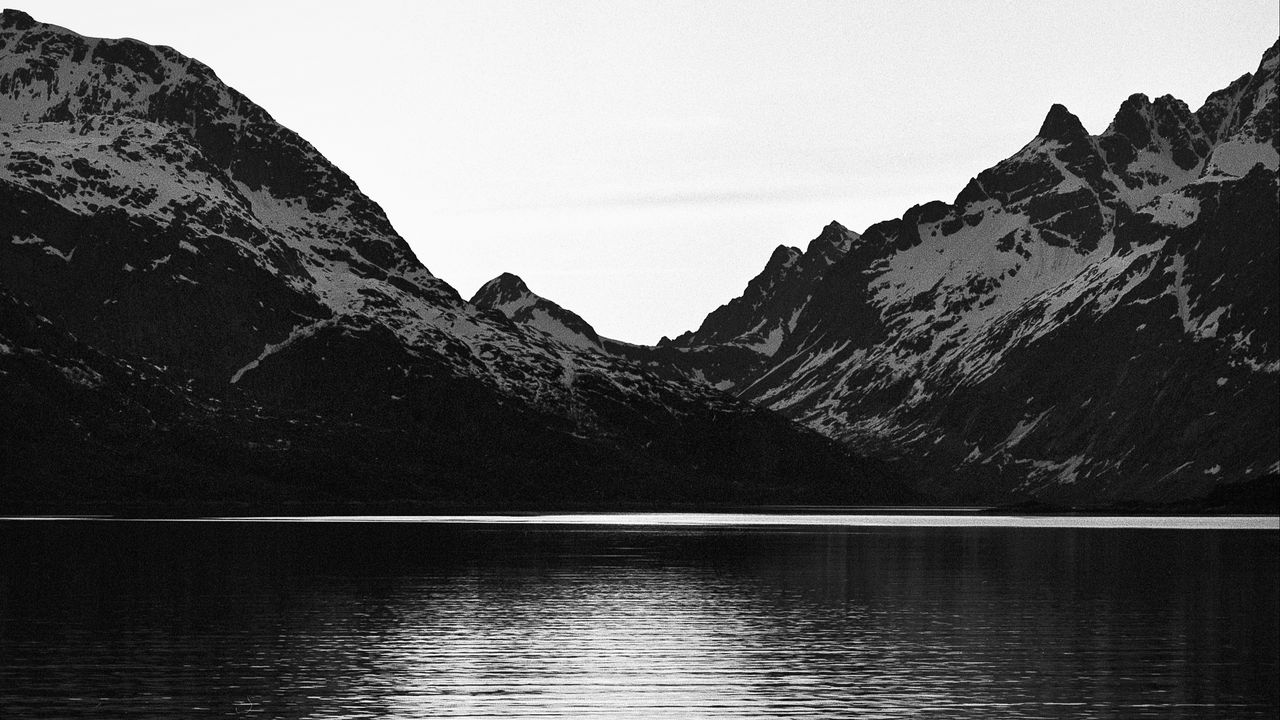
198 310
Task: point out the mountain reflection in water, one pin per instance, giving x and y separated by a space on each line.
404 620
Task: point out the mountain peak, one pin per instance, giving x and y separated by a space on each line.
1271 53
1135 104
501 290
833 237
16 19
1061 125
508 295
972 192
1170 104
1132 120
783 255
510 280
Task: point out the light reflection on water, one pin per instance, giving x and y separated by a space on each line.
410 620
927 517
901 517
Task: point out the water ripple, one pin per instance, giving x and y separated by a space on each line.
419 620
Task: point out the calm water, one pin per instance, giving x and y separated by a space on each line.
416 620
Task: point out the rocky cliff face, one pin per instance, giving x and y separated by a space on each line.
1091 320
272 337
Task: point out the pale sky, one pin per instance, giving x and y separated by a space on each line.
637 162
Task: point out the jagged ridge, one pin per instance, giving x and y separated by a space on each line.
939 338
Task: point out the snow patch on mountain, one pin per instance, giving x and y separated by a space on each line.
302 331
1238 156
1173 209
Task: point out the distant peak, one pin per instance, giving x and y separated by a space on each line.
1133 120
504 288
507 279
16 19
835 234
834 237
1136 103
783 252
1061 125
781 257
507 294
972 192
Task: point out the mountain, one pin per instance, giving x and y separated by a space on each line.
199 308
741 337
1092 320
765 314
509 295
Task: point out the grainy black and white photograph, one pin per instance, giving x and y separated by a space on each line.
639 359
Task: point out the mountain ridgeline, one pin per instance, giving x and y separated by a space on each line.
1092 321
198 310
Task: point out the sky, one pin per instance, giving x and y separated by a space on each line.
637 162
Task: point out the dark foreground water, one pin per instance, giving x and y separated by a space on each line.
413 620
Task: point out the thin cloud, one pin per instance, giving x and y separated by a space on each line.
664 199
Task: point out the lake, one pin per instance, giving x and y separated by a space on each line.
634 616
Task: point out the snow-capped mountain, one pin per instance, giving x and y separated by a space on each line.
275 337
1093 319
765 314
509 295
740 338
196 306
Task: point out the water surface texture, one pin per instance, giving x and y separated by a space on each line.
417 620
